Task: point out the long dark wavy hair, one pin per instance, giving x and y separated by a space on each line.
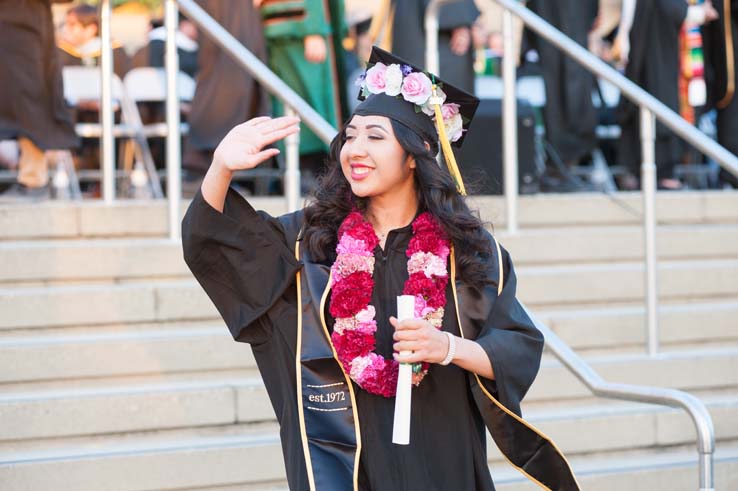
333 200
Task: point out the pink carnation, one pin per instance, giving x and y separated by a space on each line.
366 315
427 263
351 294
351 263
351 344
354 246
376 80
416 88
422 310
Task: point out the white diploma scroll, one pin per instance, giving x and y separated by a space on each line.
401 428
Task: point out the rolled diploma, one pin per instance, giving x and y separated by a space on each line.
401 428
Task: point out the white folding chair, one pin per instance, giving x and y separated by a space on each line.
83 84
149 84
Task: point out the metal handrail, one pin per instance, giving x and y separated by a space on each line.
293 103
650 107
638 393
669 118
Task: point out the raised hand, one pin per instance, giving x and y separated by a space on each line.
243 146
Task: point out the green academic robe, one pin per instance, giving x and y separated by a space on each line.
286 24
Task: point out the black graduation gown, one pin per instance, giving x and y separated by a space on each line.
31 95
408 38
246 262
226 94
569 115
717 73
653 64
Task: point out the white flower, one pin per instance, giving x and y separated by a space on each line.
393 80
454 127
428 108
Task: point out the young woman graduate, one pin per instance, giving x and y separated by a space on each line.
314 293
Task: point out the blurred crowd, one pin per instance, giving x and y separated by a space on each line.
681 51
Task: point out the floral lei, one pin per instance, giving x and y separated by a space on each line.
352 285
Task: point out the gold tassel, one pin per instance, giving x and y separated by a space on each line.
448 154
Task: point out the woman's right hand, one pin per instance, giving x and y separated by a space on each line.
242 147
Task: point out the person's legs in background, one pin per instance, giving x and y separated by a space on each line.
33 175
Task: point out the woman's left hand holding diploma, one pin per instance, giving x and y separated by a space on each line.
425 342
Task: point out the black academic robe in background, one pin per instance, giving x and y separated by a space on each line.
653 64
408 38
715 42
31 94
246 261
226 95
569 116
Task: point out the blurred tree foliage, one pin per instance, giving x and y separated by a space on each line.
150 4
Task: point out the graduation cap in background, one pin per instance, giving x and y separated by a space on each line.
396 89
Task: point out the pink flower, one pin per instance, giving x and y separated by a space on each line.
344 323
350 245
351 294
376 78
366 315
351 263
428 263
416 88
449 110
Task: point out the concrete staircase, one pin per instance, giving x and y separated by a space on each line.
116 372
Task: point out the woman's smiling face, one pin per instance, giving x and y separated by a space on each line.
372 159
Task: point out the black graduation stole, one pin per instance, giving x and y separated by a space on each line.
329 423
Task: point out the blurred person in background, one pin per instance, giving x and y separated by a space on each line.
647 44
226 93
304 46
152 54
80 44
455 51
569 116
32 107
720 40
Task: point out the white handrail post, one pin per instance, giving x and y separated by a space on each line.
174 183
292 171
648 189
107 143
510 127
431 37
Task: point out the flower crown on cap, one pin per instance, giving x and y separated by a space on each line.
396 80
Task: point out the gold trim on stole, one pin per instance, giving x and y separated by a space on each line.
357 426
298 372
484 390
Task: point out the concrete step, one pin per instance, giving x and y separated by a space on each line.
644 470
122 350
102 352
149 218
214 461
96 410
25 307
538 286
624 326
542 286
55 261
691 370
606 244
109 406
